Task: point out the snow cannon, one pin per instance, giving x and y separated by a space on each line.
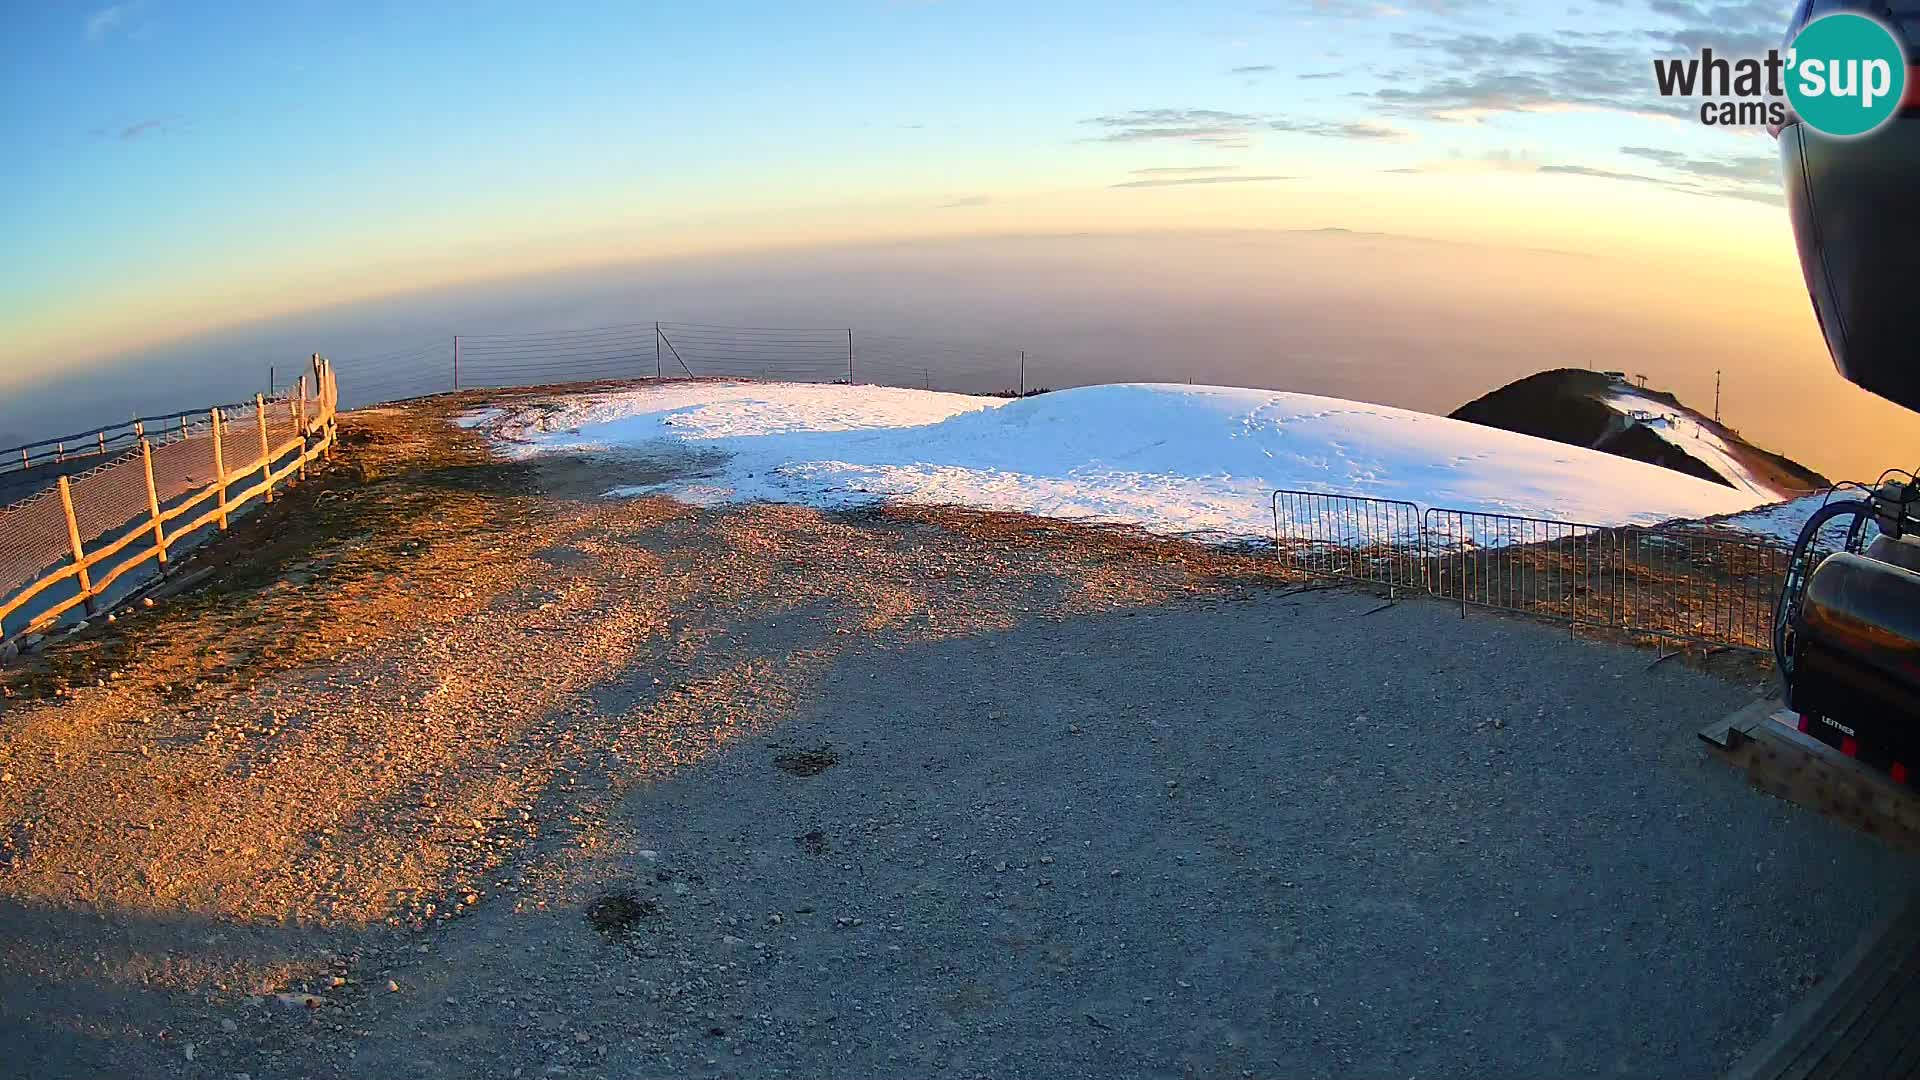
1850 644
1856 219
1847 625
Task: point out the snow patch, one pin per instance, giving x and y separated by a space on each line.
1171 458
1780 521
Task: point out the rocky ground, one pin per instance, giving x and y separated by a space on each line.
449 767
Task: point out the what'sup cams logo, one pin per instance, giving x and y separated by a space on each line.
1843 74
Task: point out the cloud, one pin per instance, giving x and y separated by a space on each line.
965 201
1209 126
1527 72
105 21
1183 170
1705 181
1602 174
1738 28
1771 198
1251 69
1318 75
1753 177
1361 9
1349 129
1179 181
1749 169
1213 127
144 127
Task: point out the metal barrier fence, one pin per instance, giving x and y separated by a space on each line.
1347 536
1684 584
68 545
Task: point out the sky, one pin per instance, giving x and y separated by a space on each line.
177 168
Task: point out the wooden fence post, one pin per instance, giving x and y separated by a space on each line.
79 549
266 444
333 407
300 417
153 505
219 468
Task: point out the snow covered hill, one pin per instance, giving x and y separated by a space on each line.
1171 458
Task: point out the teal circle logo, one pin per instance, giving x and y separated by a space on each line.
1846 74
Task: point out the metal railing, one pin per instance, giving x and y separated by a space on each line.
1682 584
68 545
1346 536
101 442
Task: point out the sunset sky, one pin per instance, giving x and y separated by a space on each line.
176 166
210 189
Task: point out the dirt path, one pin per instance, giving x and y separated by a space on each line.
455 767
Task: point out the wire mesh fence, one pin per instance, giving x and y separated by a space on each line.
1714 588
33 539
99 443
67 546
641 350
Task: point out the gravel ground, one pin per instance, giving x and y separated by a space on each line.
633 789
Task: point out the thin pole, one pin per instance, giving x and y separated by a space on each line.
73 537
270 374
849 355
219 468
456 362
1023 373
153 505
676 354
658 370
266 444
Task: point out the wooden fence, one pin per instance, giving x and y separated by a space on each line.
68 545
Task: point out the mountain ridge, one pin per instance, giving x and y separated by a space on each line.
1604 411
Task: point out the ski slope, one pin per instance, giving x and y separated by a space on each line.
1696 439
1171 458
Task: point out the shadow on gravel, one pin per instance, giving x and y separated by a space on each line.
147 990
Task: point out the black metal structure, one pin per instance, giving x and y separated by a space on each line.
1847 626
